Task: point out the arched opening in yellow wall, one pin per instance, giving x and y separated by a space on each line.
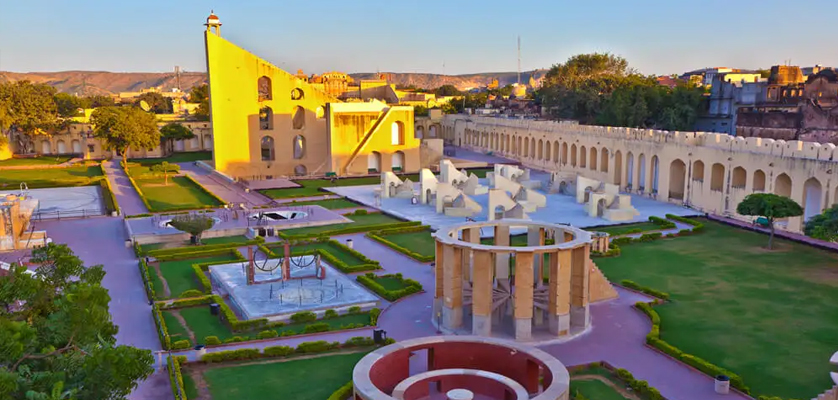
698 171
61 147
594 159
641 172
618 168
812 196
656 171
573 155
398 162
739 178
630 169
374 162
46 147
298 118
76 146
266 118
207 141
782 185
419 133
265 88
432 132
267 149
299 147
677 179
583 157
547 151
564 153
397 133
526 147
717 177
540 149
603 166
556 151
759 181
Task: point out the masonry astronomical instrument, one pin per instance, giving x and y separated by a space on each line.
144 105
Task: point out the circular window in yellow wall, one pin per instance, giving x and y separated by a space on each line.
320 112
297 94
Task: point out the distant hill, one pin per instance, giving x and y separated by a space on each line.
101 82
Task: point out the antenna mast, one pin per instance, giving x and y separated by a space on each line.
519 59
177 77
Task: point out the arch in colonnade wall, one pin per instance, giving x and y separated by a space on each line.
759 181
656 171
641 171
603 166
618 168
717 177
573 155
540 150
564 153
677 179
556 151
583 157
630 169
812 198
739 178
593 161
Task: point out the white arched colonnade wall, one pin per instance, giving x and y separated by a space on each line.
710 172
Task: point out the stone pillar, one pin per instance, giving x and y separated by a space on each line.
481 294
523 296
439 280
452 309
558 315
535 237
471 235
579 313
502 259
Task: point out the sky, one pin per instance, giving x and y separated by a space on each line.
451 36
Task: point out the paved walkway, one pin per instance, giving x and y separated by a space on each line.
102 241
228 191
128 198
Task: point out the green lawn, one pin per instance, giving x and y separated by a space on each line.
177 158
181 193
341 254
767 316
331 204
627 228
594 389
204 324
175 328
216 240
358 220
50 177
41 160
306 379
390 283
514 240
419 242
181 277
189 386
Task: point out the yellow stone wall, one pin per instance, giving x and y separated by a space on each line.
338 137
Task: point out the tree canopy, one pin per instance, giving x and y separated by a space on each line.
600 88
28 109
58 340
771 207
158 103
824 226
125 127
193 224
447 90
200 95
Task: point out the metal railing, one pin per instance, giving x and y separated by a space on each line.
42 215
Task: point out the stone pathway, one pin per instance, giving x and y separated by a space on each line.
129 200
228 191
166 291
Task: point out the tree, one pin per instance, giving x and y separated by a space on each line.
447 90
824 226
164 168
125 127
200 95
28 110
159 104
68 105
96 101
193 224
770 206
175 131
58 340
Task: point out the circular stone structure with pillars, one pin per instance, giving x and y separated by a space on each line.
457 367
535 292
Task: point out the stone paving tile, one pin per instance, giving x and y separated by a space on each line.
129 200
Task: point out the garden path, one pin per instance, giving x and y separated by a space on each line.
129 200
227 191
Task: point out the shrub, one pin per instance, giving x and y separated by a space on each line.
203 279
374 313
231 355
330 313
389 341
304 316
181 345
361 211
697 226
162 332
287 333
278 351
235 339
652 292
318 327
379 236
212 341
191 293
358 341
349 228
192 301
662 223
316 347
354 310
369 280
149 288
176 375
267 334
343 393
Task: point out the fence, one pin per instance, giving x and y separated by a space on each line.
42 215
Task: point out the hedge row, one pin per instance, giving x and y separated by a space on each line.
369 280
137 188
347 229
378 236
638 386
198 252
653 339
367 264
110 199
662 223
149 288
220 201
204 247
613 251
162 330
697 226
176 376
320 346
343 392
651 292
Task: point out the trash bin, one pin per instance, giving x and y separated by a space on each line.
349 243
262 232
270 231
200 350
214 308
722 384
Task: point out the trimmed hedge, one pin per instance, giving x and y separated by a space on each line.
220 201
349 228
192 301
110 199
137 188
367 263
651 292
662 223
369 280
638 386
198 252
204 247
343 392
176 376
149 288
613 251
319 346
374 313
162 330
654 340
379 235
181 345
697 226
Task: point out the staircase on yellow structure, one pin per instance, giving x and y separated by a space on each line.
599 287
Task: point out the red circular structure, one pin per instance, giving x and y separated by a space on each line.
489 367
